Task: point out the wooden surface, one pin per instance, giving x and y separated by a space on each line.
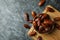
55 35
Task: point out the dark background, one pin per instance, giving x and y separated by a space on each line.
11 17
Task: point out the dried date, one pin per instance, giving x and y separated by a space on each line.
57 19
33 14
39 38
41 2
27 26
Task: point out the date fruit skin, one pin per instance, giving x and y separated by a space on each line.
57 26
33 14
26 16
41 2
27 26
50 9
41 30
45 16
46 21
38 23
39 38
57 19
34 23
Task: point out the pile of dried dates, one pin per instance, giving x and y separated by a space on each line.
41 22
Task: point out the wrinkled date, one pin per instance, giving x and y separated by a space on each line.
41 2
33 14
57 19
26 16
26 26
50 9
39 38
41 29
34 24
48 22
57 26
45 16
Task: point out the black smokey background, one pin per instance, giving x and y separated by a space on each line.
11 17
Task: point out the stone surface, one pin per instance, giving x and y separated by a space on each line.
11 17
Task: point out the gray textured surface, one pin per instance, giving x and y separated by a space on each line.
11 17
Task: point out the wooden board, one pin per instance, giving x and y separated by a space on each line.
53 36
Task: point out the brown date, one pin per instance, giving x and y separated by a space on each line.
57 19
39 38
50 9
26 16
27 26
41 2
33 14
